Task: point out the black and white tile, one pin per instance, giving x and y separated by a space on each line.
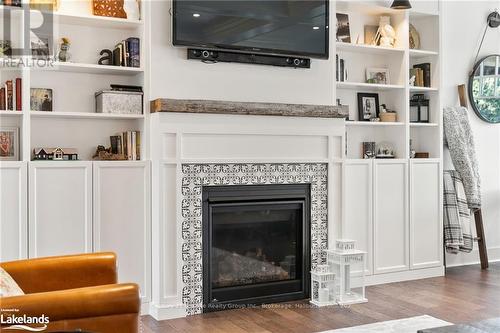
195 176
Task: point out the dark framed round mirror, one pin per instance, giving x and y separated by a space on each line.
484 88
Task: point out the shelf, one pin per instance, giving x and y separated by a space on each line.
424 125
84 115
373 123
11 113
96 21
369 49
92 69
372 8
422 53
368 86
422 89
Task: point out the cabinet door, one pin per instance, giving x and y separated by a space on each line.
13 199
122 218
60 208
390 216
357 206
425 214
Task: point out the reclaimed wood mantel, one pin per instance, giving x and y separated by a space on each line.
242 108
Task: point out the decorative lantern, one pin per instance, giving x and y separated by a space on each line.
348 265
322 286
419 109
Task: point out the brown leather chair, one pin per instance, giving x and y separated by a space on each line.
75 292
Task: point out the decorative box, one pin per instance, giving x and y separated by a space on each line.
388 116
114 101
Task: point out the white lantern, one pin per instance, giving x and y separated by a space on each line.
322 286
348 265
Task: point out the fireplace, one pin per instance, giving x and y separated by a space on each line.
256 244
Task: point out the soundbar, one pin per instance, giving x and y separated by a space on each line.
211 56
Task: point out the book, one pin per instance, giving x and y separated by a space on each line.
129 145
426 73
10 95
342 70
337 69
2 98
133 142
138 145
115 144
134 51
19 95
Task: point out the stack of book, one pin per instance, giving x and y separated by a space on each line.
127 144
422 74
127 53
11 95
341 69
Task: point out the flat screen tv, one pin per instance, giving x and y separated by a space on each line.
295 28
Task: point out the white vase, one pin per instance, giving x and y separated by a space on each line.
131 7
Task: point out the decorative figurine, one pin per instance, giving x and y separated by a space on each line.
386 36
107 57
64 54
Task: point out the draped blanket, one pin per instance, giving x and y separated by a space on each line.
456 213
458 134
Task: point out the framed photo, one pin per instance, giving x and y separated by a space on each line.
9 143
41 47
343 29
368 106
377 75
41 99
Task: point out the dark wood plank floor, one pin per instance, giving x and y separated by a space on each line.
465 294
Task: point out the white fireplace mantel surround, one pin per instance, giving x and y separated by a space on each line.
180 139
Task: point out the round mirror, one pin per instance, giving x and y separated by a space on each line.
484 88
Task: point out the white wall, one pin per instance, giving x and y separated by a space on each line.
463 26
173 76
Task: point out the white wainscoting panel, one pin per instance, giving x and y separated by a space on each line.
13 211
60 208
357 206
391 232
121 209
425 214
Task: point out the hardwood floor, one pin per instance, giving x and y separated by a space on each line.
465 294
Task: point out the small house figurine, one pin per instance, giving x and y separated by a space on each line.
322 286
348 265
55 154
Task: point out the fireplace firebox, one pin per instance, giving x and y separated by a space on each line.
256 244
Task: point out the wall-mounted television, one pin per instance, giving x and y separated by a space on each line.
295 28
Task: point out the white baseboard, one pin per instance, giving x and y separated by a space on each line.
415 274
164 312
472 258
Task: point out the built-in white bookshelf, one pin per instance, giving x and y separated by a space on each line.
73 123
396 94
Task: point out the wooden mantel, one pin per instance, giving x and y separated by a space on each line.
242 108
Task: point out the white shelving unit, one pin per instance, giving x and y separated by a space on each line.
36 225
392 207
73 123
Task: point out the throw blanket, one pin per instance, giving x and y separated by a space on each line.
458 134
457 217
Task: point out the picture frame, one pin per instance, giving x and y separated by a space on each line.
9 143
368 106
41 99
41 47
377 75
343 28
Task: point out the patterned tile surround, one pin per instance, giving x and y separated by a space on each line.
194 176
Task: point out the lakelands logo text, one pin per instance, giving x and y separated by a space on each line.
36 324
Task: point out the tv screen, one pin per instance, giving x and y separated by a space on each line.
297 28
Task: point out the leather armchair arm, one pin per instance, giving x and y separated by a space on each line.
78 303
63 272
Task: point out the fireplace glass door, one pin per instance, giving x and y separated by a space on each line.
254 244
256 248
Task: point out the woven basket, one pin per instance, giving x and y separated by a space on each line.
388 116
